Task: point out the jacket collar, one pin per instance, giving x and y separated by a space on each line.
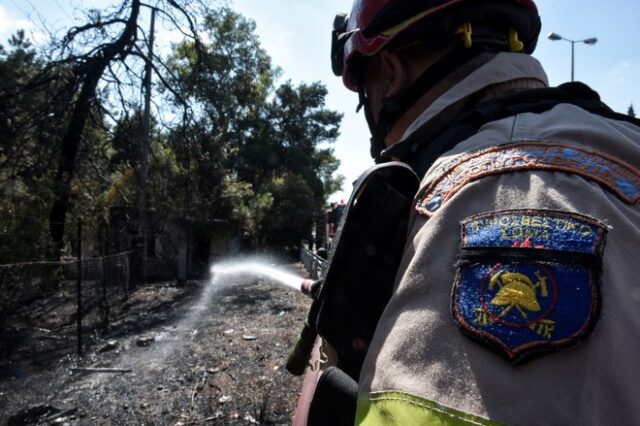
502 73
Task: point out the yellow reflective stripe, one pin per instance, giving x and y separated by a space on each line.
397 408
404 24
407 23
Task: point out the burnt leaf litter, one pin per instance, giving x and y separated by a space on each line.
164 358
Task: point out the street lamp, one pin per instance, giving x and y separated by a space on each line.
590 41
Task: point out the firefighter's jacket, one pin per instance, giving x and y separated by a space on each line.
517 299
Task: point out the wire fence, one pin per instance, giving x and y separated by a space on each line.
55 298
49 308
101 278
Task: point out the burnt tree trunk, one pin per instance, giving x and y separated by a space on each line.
90 73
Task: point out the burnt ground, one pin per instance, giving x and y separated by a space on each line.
176 360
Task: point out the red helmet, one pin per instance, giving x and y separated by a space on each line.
374 24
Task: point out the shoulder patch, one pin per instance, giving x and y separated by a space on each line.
528 280
613 174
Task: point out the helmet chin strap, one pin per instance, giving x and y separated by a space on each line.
378 131
393 107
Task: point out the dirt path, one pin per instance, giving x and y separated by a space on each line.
180 355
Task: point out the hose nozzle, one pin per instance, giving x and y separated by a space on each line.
311 288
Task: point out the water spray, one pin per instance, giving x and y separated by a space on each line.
309 287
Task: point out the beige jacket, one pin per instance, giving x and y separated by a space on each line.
564 180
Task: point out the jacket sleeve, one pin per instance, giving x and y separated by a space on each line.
424 365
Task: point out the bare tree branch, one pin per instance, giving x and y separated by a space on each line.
93 71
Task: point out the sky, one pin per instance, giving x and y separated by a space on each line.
296 34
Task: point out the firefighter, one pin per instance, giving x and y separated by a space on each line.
515 300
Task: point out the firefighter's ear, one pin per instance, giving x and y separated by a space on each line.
396 71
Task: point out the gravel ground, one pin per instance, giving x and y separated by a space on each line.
209 352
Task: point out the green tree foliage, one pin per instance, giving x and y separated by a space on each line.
303 127
125 141
29 123
105 54
631 112
271 140
243 152
23 230
291 216
26 147
33 117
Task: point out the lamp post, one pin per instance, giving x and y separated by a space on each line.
590 41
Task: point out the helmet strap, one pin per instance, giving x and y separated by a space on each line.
393 107
377 135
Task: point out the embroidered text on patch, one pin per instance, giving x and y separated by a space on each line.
621 179
527 283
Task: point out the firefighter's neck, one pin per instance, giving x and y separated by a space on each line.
401 125
400 72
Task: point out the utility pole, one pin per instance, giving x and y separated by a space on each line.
144 160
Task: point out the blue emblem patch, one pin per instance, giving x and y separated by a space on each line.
528 280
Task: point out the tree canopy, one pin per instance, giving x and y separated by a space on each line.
229 143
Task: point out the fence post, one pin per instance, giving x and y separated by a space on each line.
105 301
183 258
127 281
79 286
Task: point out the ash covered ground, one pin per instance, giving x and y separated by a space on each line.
172 359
